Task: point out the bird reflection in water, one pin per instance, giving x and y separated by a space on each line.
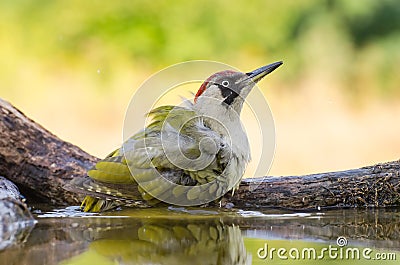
210 242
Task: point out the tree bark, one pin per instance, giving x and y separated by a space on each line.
372 186
40 164
37 161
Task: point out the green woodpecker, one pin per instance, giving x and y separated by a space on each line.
187 155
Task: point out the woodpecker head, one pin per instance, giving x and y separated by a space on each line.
229 89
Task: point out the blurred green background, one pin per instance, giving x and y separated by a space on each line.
73 65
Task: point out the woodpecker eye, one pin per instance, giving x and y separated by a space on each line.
225 83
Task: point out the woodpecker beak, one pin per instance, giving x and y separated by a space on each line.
259 73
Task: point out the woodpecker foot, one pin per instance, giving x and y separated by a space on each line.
224 203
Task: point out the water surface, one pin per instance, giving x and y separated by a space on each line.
192 236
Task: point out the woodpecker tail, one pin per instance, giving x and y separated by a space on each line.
92 204
103 196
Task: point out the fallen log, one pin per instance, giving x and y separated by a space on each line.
372 186
37 161
40 164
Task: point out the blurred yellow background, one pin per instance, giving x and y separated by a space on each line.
73 66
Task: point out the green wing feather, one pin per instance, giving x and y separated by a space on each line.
110 182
